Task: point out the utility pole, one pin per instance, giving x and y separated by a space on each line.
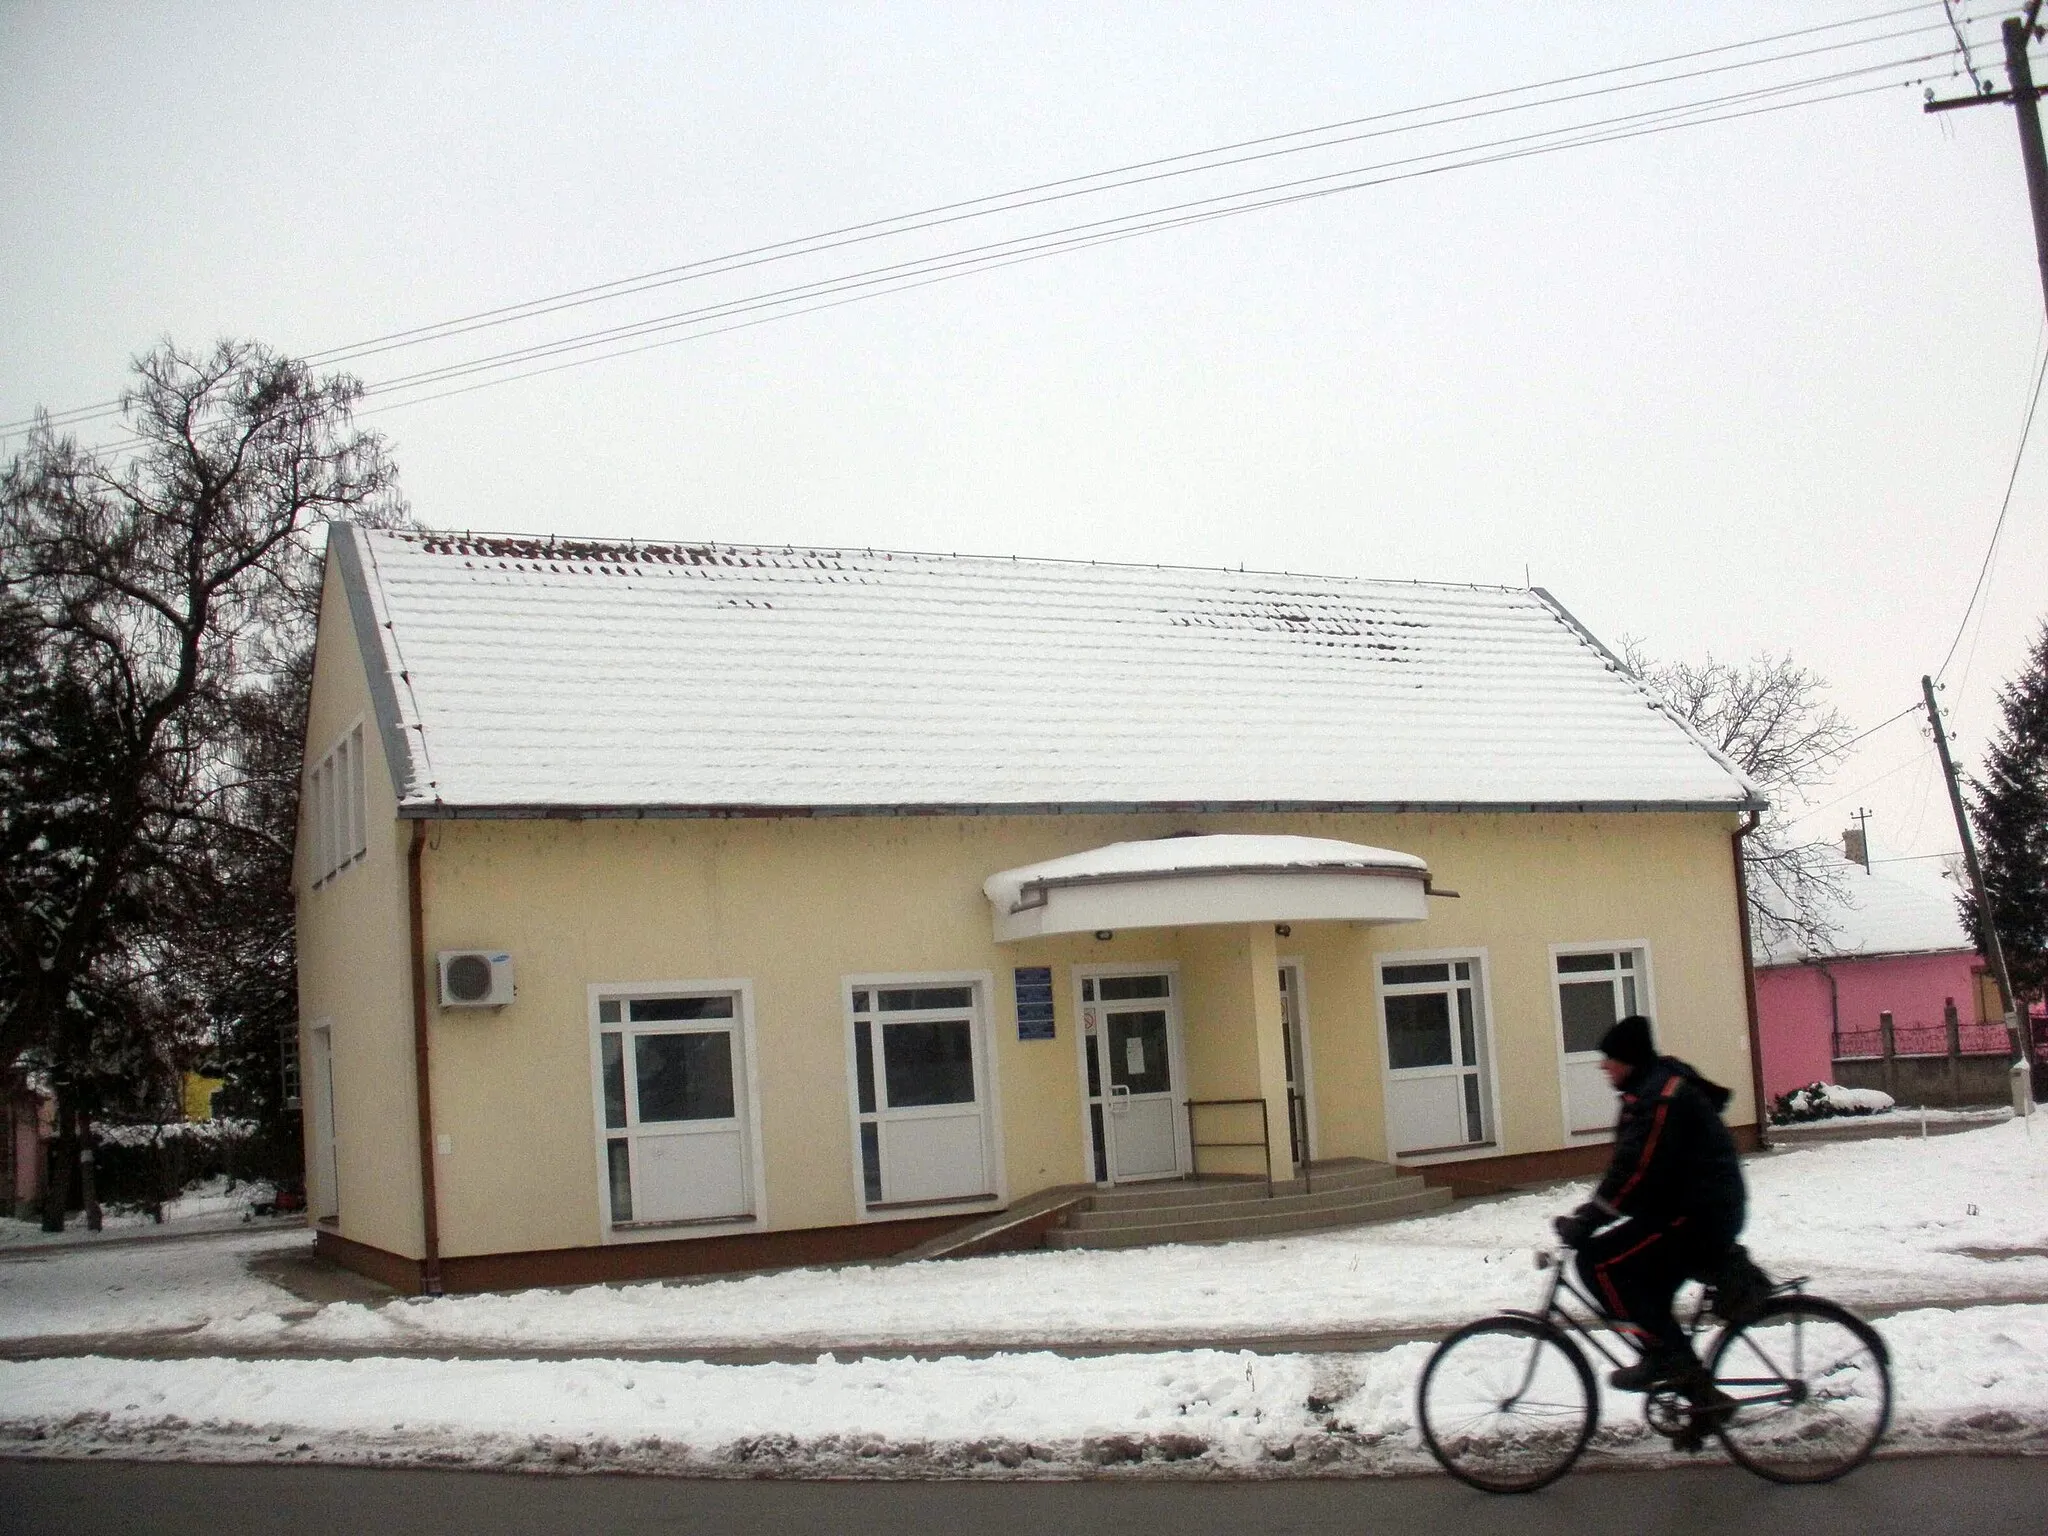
2026 106
1858 842
2022 1034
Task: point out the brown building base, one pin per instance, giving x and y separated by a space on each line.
1500 1175
731 1254
744 1251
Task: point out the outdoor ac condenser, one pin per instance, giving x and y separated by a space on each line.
475 978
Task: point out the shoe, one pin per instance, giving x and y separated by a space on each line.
1656 1369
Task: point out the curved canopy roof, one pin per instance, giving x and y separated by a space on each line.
1174 882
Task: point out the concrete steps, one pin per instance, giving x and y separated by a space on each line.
1341 1194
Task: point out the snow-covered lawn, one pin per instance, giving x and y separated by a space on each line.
211 1202
1952 1220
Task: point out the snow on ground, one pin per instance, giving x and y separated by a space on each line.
1976 1378
141 1286
1871 1222
208 1200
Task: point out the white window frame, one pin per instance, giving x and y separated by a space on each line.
1176 1044
986 1090
1496 1143
741 991
1305 1068
1646 1005
335 806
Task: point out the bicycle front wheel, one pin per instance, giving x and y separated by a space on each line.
1507 1404
1811 1388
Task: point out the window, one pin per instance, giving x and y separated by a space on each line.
338 830
920 1113
1595 988
1439 1074
671 1093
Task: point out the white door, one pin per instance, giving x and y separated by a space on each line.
673 1082
920 1105
324 1191
1128 1028
1439 1096
1593 991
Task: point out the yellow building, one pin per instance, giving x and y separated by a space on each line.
673 908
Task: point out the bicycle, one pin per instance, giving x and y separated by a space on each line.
1803 1388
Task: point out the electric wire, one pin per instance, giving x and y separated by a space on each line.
1006 202
1998 527
880 282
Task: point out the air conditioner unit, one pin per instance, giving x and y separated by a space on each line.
475 978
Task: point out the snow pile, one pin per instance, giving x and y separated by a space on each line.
1976 1378
1818 1101
200 1131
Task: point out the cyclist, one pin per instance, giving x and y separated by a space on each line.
1669 1207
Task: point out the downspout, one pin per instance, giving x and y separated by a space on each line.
430 1215
1756 1048
1834 1012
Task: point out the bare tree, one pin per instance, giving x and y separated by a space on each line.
143 587
1770 717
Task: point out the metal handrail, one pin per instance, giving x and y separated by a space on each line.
1264 1143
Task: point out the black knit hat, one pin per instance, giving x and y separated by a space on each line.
1629 1042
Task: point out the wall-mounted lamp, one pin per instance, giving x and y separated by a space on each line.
1104 935
1284 930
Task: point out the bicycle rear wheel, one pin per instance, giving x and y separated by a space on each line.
1507 1404
1811 1385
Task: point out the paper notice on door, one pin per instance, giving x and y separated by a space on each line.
1134 1057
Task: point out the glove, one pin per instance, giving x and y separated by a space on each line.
1573 1230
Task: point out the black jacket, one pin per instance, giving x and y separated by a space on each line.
1672 1155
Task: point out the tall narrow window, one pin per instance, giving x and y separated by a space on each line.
336 818
1595 988
671 1085
921 1118
1439 1071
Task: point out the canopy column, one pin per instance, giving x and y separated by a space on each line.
1269 1031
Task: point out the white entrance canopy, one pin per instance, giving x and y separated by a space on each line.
1174 882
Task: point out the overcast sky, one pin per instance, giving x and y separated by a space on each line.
1754 385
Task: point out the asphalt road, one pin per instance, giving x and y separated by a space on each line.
1980 1496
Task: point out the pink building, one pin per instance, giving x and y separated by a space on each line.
1899 949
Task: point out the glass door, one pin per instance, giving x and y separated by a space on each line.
1297 1065
1135 1107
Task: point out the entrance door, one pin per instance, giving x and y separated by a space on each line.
1135 1105
1438 1095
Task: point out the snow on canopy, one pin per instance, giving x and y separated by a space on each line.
1218 853
1885 912
528 673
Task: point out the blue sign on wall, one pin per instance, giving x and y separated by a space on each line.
1034 1002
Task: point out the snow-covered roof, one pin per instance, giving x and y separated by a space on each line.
1888 911
516 675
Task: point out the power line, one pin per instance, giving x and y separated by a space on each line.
1006 202
2004 506
921 271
